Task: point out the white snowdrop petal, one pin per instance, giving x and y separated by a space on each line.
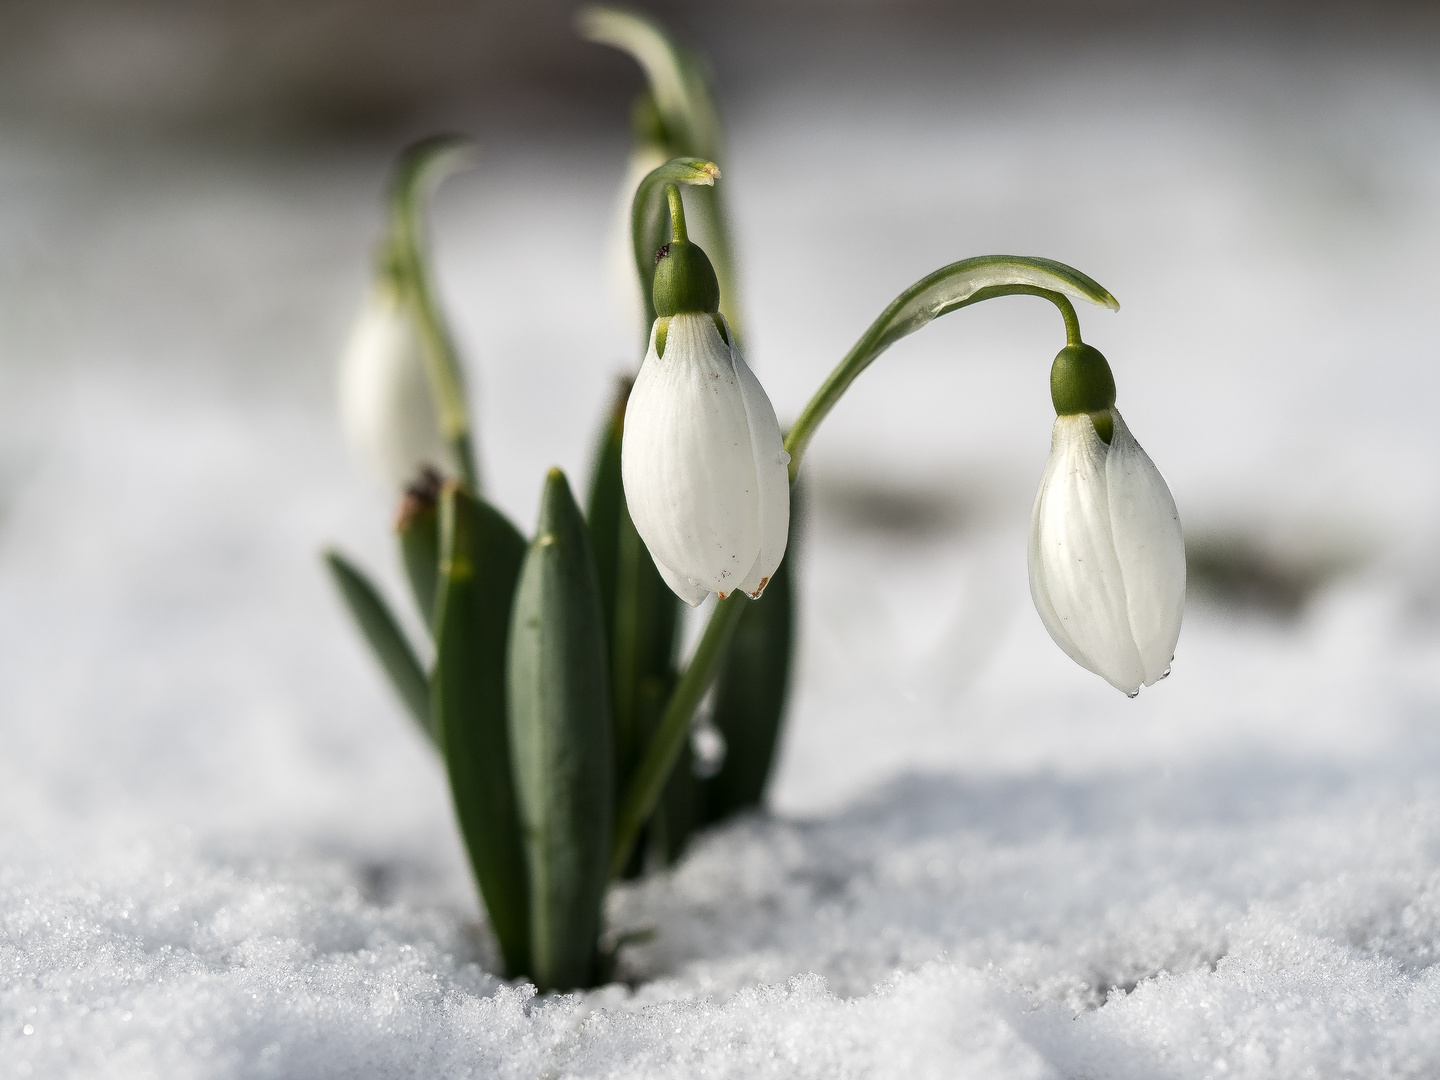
771 475
1075 555
687 460
691 592
1039 590
1150 548
386 408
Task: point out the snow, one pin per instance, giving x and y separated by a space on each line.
226 854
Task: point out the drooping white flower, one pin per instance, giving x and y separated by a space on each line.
704 464
386 405
1107 556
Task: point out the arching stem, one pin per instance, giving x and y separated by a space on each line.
677 213
421 169
881 335
948 289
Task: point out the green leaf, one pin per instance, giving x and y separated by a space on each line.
676 76
387 641
418 532
481 553
641 613
607 503
947 289
750 692
560 732
668 743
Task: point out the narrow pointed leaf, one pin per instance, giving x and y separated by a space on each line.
560 730
480 561
387 641
641 613
675 76
418 532
668 742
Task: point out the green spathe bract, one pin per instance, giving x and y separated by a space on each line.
560 734
480 557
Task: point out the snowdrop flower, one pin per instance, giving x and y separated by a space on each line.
703 462
1107 556
386 405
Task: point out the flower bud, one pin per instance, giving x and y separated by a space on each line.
1107 556
386 405
703 462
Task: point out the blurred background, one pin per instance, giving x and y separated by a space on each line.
189 197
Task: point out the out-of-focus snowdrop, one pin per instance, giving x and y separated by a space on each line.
386 404
703 460
1107 555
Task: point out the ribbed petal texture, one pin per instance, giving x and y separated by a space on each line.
1107 556
704 465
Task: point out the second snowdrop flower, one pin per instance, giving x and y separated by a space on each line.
703 460
1107 556
386 404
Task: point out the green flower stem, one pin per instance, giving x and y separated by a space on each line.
947 289
645 232
677 213
683 121
648 783
422 167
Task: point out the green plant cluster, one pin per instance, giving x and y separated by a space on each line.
556 698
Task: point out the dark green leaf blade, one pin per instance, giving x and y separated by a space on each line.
641 613
387 641
481 554
750 692
417 528
560 731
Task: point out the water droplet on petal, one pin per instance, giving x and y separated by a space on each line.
784 458
1132 693
1164 674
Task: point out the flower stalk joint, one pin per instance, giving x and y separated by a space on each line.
684 281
